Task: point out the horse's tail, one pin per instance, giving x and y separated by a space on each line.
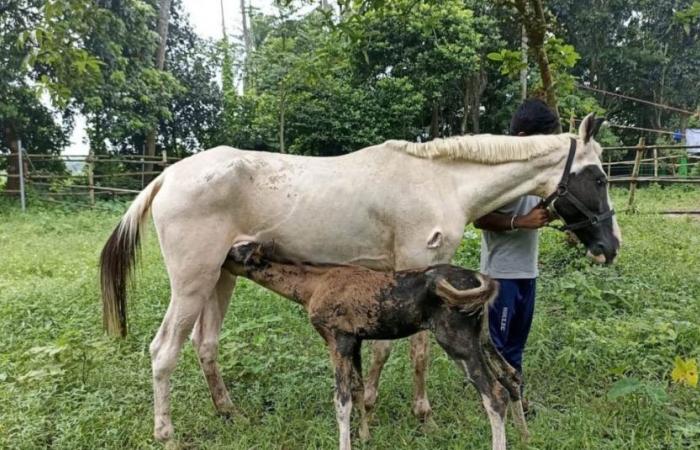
118 257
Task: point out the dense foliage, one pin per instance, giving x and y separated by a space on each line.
598 365
322 79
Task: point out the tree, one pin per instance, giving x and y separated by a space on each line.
533 20
196 108
162 28
22 116
438 49
650 50
98 58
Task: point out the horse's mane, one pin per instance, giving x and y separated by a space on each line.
483 148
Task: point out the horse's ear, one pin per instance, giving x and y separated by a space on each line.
587 129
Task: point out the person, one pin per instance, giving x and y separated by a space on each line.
509 248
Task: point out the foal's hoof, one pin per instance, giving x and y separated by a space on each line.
364 433
233 413
428 426
227 410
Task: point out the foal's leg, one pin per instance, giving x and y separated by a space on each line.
343 392
380 354
358 390
494 396
205 338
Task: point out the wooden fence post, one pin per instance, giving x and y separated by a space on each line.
656 163
164 156
22 198
635 173
609 164
91 176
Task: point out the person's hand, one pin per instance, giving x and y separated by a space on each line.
537 218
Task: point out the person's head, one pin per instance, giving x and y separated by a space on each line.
533 116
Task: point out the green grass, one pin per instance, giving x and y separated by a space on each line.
64 385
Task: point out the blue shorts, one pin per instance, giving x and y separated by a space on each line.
510 318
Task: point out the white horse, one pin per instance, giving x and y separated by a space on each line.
397 205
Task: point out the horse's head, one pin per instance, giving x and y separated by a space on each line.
586 207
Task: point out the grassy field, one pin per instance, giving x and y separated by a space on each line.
598 362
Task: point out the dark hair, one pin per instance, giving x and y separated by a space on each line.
533 116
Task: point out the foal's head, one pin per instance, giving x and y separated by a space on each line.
248 255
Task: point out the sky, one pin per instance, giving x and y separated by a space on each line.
205 17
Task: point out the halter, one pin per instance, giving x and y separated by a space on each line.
562 191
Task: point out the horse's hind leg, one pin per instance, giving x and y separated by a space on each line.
184 308
380 354
205 338
194 268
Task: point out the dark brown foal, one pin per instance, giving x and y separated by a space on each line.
348 304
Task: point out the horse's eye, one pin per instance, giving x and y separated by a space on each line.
600 181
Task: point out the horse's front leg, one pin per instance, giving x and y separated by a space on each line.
420 352
380 354
435 245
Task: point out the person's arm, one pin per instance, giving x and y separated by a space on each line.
536 218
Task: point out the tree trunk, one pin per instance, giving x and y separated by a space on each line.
223 21
474 87
532 17
162 28
281 131
282 118
163 20
523 71
248 42
13 162
659 95
465 104
481 80
434 121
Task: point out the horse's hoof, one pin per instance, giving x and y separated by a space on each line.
164 432
422 410
173 445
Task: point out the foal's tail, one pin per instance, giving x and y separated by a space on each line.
118 257
468 300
